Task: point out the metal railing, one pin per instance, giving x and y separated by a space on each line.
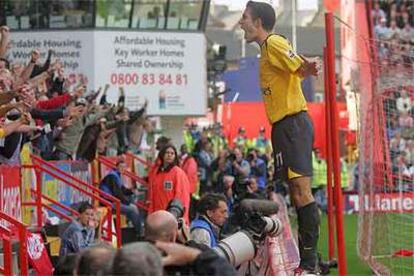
7 235
110 202
139 159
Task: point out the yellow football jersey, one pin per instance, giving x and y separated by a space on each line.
280 85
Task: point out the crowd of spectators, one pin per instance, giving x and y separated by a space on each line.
226 169
41 104
400 132
394 32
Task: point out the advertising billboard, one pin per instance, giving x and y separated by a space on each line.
168 69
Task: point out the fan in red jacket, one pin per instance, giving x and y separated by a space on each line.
169 182
190 167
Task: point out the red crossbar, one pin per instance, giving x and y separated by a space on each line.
54 210
74 212
139 159
77 180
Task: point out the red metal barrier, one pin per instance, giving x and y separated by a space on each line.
103 195
102 160
42 166
139 159
7 235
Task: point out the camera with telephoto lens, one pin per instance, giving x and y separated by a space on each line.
176 208
256 225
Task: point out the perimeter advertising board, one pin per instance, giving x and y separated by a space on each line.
168 69
73 49
10 199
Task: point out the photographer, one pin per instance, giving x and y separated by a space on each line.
143 258
204 159
253 190
161 226
258 168
213 213
238 167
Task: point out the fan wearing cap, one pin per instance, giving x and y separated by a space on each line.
281 73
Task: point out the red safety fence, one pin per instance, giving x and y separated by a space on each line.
111 203
14 231
11 229
139 159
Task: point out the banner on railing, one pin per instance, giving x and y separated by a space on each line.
62 192
10 199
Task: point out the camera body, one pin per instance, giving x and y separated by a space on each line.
250 157
256 224
176 208
261 226
231 157
242 245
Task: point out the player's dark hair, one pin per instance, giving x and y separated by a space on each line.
265 12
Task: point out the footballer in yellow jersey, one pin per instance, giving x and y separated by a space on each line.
280 84
281 73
